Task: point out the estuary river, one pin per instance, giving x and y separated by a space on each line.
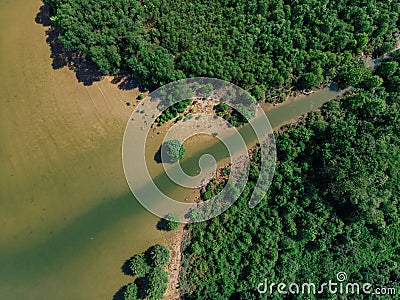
68 219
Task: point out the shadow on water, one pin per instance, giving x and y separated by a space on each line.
85 70
157 156
333 87
126 81
120 294
66 244
162 225
125 268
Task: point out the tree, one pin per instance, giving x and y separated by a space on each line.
372 81
131 292
309 80
351 75
139 266
158 255
362 41
153 279
271 44
157 283
387 69
173 151
171 222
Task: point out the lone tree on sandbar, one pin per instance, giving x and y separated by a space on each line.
173 151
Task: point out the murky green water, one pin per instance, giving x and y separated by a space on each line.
68 220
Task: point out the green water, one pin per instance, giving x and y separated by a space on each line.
68 219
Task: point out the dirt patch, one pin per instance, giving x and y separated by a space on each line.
175 265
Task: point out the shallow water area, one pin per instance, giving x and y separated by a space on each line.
68 219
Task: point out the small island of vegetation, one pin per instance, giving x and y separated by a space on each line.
174 151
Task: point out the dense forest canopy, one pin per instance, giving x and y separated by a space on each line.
333 205
260 45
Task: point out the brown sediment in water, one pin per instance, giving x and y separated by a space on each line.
68 218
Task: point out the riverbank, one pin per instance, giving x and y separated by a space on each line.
292 101
174 267
173 292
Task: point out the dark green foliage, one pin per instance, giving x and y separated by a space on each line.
131 292
311 79
171 222
158 255
157 283
371 81
106 31
173 111
352 73
167 115
333 206
174 151
257 44
387 69
236 117
139 266
181 106
221 107
152 279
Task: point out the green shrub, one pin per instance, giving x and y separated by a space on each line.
171 222
174 151
157 283
131 292
139 266
158 256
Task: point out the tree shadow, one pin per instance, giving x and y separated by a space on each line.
125 268
334 87
119 295
85 70
162 225
126 81
157 156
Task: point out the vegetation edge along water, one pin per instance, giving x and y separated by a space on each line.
333 205
387 69
267 47
154 58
